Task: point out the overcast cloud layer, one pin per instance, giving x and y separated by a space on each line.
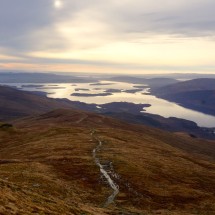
98 35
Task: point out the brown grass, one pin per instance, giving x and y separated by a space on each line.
46 167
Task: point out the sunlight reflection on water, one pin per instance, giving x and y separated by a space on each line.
158 106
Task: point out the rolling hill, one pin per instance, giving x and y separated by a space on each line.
200 84
69 161
48 166
196 94
18 104
151 82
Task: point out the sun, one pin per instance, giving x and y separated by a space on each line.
58 4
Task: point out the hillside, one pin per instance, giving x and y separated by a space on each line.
49 166
171 124
152 82
197 94
16 103
200 84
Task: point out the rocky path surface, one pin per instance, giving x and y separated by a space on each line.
105 171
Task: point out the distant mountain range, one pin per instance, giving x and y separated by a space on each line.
151 82
196 94
6 77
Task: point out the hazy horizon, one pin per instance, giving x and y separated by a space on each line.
91 36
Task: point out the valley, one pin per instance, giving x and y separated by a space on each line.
109 93
59 156
107 107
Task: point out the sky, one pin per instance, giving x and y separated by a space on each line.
114 36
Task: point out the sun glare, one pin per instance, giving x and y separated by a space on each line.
58 4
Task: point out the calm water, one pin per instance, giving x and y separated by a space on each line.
158 106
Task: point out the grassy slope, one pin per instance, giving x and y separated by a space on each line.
47 167
16 103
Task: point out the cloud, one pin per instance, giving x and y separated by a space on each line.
18 19
24 24
88 27
189 18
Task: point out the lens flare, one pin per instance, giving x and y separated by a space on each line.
58 4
